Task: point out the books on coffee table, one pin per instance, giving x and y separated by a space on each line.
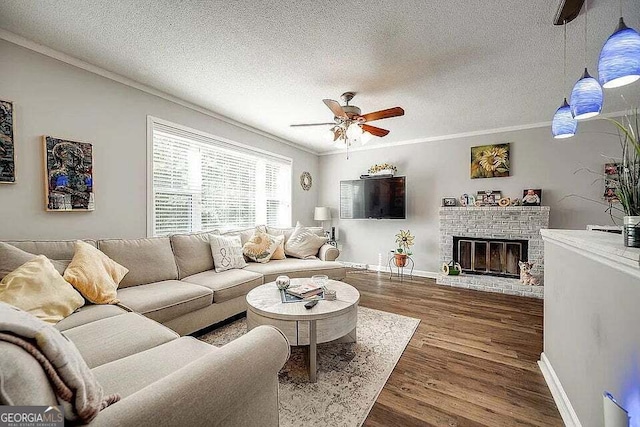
304 290
287 298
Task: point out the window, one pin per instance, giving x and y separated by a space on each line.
201 182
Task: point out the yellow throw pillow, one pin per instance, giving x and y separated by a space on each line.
261 246
37 287
94 274
279 253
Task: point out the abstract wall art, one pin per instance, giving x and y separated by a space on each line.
68 175
7 145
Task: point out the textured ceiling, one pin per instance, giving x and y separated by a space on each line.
455 66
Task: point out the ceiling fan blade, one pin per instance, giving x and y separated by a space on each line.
384 114
335 107
312 124
374 130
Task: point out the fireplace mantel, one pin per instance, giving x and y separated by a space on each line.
513 222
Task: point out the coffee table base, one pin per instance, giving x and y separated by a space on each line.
341 328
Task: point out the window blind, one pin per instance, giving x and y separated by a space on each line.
200 182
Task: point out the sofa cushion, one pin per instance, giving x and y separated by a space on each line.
166 300
37 288
262 246
94 275
303 243
148 260
52 249
192 253
227 253
130 374
23 382
12 257
88 314
113 338
287 231
227 284
294 267
245 233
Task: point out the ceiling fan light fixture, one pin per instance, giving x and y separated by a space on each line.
619 62
366 137
354 131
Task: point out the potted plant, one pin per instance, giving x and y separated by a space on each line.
628 191
404 240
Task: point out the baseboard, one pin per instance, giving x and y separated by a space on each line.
567 413
385 269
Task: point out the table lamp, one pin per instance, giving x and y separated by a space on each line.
322 214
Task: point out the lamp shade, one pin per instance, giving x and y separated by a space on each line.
322 214
354 131
563 124
619 62
586 97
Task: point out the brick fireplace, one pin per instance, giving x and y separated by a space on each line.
488 242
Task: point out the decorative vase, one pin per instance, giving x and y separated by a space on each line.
400 260
283 282
631 231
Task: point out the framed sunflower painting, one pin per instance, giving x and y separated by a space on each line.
490 161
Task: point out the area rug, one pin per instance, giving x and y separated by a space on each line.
350 376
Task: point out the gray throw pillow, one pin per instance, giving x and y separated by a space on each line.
11 258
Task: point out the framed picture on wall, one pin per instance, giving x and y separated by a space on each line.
490 161
611 182
7 143
68 175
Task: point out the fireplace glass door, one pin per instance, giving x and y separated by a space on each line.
490 256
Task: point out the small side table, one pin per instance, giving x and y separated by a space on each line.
400 270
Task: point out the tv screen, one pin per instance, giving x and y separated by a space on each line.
380 198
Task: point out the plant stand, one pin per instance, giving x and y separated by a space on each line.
400 271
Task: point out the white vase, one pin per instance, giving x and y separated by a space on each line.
631 231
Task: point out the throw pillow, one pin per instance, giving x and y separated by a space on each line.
37 288
261 247
227 253
279 252
303 243
12 258
94 274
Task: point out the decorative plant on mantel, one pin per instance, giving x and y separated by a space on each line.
404 240
628 191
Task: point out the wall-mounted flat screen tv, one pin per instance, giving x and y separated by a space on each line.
379 198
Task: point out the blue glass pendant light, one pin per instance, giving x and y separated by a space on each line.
619 62
563 124
586 97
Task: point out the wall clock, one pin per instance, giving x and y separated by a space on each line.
306 181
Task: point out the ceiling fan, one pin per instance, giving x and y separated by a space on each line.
349 124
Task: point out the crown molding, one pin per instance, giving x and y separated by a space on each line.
63 57
461 135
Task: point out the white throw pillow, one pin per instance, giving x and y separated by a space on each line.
227 253
303 243
261 247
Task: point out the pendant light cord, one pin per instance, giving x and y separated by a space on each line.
586 12
564 57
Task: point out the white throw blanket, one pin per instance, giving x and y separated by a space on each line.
72 380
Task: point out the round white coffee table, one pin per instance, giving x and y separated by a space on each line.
327 321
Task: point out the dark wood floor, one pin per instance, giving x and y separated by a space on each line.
471 362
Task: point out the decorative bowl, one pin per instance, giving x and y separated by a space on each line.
320 280
283 282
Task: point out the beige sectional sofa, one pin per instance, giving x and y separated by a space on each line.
171 279
136 349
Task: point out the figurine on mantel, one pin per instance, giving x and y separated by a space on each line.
525 274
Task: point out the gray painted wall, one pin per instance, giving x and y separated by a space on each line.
591 337
441 169
57 99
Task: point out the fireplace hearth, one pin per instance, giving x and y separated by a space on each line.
488 243
494 257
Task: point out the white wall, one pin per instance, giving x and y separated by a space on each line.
57 99
441 169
